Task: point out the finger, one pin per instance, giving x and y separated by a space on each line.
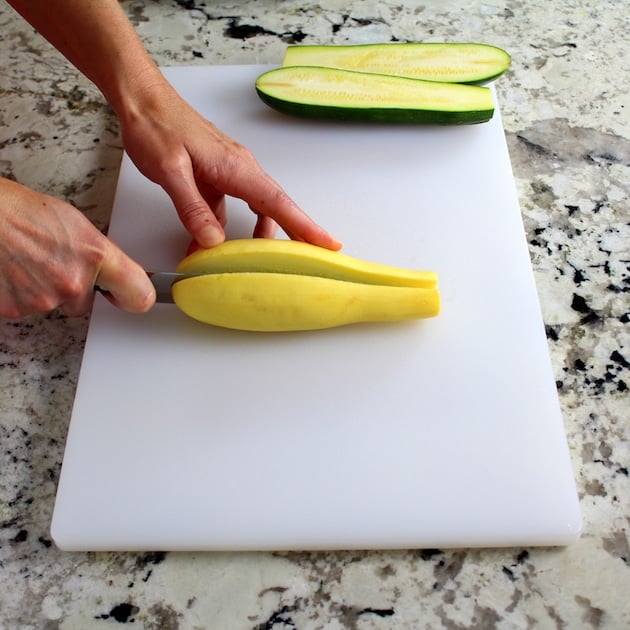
219 209
79 306
193 210
215 200
265 227
267 198
127 284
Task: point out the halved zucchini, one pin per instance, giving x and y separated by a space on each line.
270 255
444 62
281 285
345 95
282 302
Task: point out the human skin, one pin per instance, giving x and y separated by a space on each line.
51 256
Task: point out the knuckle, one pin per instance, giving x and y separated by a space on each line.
242 153
30 300
11 311
71 286
173 164
193 210
274 203
76 308
38 304
68 288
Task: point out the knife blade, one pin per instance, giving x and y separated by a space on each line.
162 281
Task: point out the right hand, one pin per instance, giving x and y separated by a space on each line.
52 256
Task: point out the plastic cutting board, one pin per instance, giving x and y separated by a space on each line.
438 433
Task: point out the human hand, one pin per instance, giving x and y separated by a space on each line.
51 256
197 165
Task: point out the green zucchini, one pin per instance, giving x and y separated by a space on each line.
444 62
344 95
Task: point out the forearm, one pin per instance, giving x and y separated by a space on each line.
98 39
170 143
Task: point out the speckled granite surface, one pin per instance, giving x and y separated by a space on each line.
565 107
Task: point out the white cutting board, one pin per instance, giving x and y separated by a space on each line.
438 433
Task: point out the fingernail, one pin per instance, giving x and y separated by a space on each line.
210 235
337 244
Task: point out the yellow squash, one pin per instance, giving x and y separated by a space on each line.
280 285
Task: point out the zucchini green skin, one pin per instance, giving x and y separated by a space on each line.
344 95
469 63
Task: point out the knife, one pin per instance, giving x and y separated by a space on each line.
162 281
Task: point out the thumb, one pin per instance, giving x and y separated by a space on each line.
125 283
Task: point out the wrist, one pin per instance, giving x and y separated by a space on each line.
134 91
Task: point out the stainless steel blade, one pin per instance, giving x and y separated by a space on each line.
162 281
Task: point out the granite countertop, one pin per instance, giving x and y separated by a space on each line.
565 110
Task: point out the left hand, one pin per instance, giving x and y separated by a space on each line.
197 165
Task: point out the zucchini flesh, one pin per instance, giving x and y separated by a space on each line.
444 62
345 95
297 258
